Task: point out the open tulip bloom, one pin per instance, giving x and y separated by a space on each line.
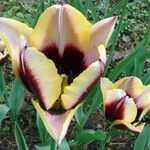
58 61
126 102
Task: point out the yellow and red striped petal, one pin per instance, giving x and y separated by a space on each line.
80 86
56 124
118 106
10 31
127 125
61 25
101 32
143 102
40 74
131 85
112 98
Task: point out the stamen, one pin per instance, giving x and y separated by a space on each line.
64 82
57 107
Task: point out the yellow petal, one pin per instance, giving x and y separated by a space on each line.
56 124
105 84
10 31
41 75
120 82
78 26
61 25
130 110
80 86
45 32
131 85
127 125
101 32
143 102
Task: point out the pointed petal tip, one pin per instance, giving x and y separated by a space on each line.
115 17
56 124
112 19
101 32
105 84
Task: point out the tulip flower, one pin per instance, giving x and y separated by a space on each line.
3 53
126 102
58 61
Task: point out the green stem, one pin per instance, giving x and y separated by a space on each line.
107 139
53 144
2 82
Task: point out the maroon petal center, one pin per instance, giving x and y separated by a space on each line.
115 109
71 63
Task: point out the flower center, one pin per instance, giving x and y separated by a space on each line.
71 63
64 82
58 108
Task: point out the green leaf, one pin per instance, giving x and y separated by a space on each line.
49 3
85 7
38 13
77 4
94 13
20 140
115 9
88 136
44 135
146 78
46 147
114 73
53 144
3 110
80 116
116 132
96 99
16 98
143 140
114 41
118 69
2 82
64 145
